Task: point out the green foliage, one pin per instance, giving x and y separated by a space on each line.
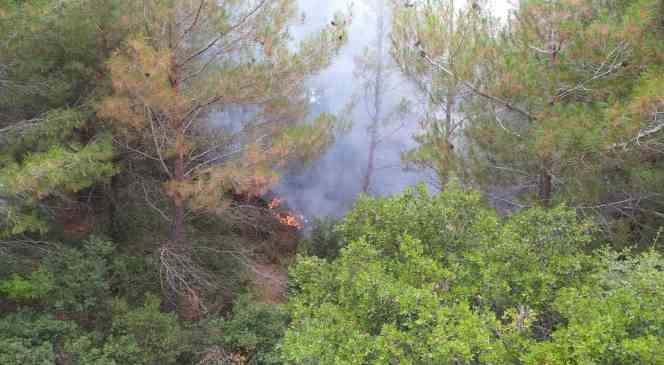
38 328
50 63
323 241
80 275
562 99
60 169
133 276
537 253
140 336
442 47
28 338
445 225
255 329
37 286
380 301
115 350
375 312
571 90
40 175
17 352
159 337
617 319
74 279
55 59
69 279
439 279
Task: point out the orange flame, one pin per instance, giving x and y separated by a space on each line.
275 203
286 218
291 220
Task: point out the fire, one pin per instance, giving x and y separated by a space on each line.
275 203
286 218
291 220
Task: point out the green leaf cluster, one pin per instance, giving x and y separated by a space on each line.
442 280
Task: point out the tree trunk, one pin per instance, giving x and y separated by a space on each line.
114 225
545 189
169 295
366 184
177 232
377 97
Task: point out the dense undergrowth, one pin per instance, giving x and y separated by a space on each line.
412 279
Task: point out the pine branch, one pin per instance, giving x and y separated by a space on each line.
477 91
213 42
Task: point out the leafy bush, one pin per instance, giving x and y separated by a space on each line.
15 351
73 279
132 276
80 275
113 350
536 253
139 336
36 286
158 335
255 329
250 336
29 338
380 301
616 319
324 241
442 280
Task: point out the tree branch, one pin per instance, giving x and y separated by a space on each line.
477 91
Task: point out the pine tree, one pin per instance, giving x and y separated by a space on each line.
186 61
558 104
376 72
51 147
569 76
441 46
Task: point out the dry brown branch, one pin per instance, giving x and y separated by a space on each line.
182 275
41 247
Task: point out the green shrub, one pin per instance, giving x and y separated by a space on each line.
113 350
37 328
133 276
29 338
252 332
14 351
618 318
255 329
364 308
324 241
158 335
36 286
80 275
442 280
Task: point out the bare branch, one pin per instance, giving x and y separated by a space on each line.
196 18
157 146
127 146
214 41
642 134
153 206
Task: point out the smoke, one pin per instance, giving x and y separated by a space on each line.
330 185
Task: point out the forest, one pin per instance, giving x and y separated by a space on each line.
143 144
